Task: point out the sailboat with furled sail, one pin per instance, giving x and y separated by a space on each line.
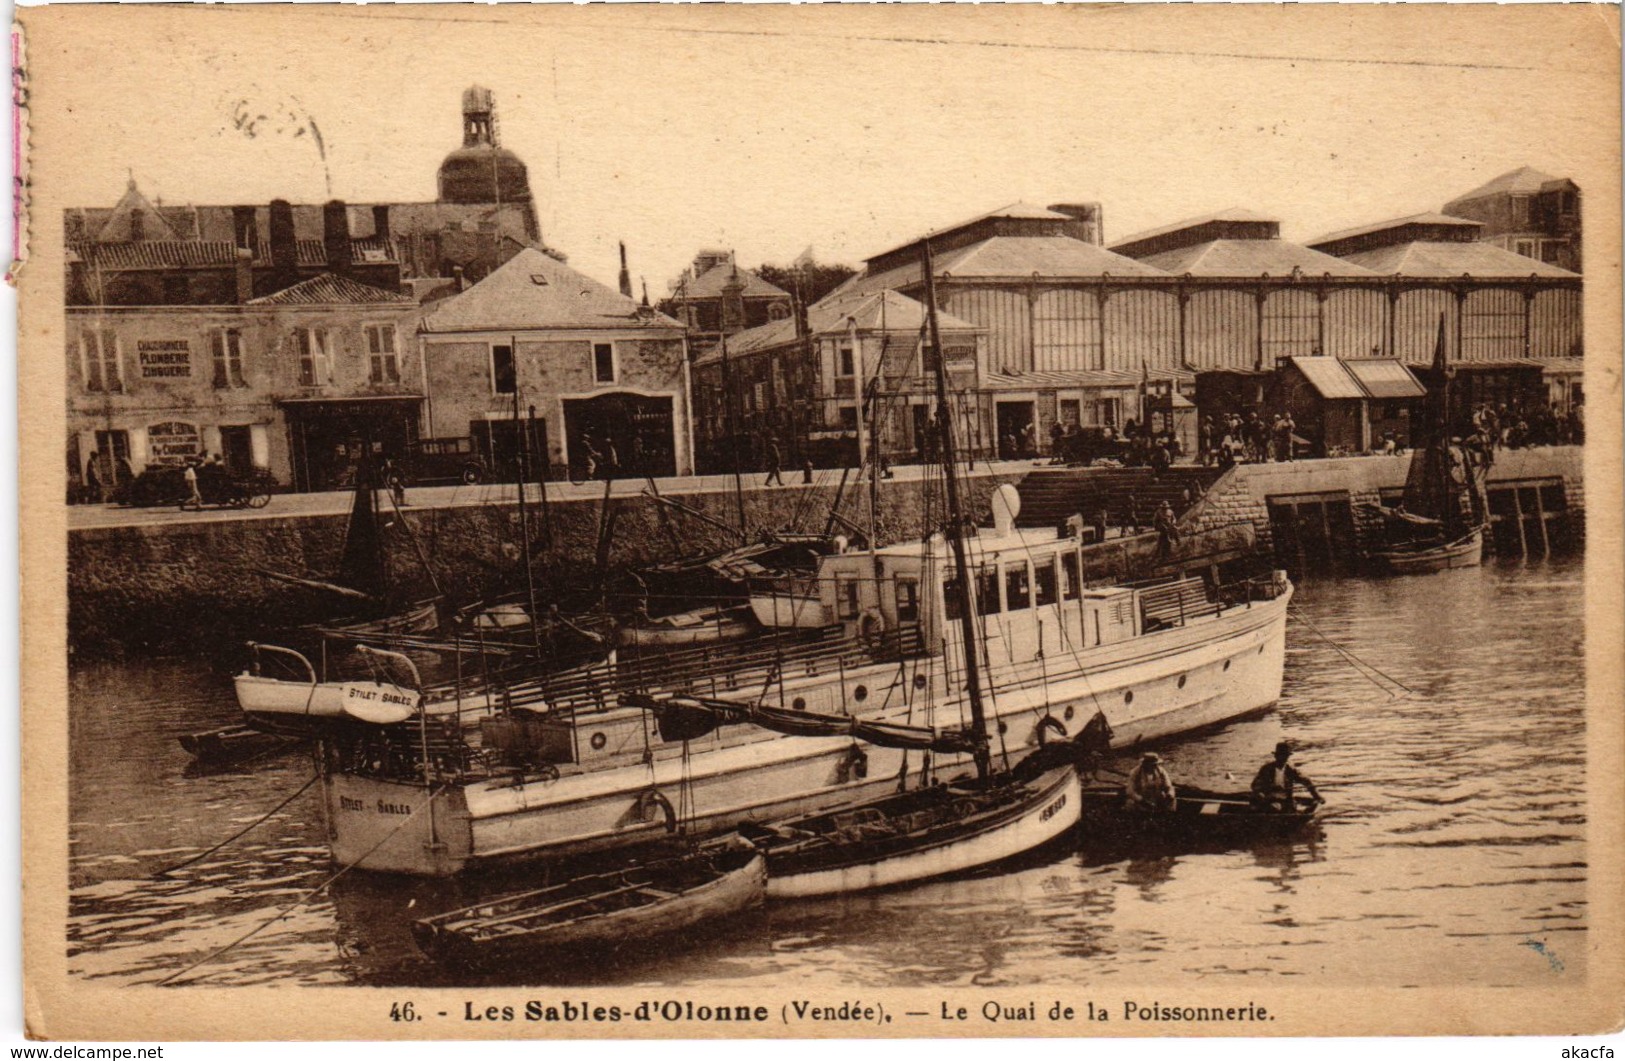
937 828
1440 523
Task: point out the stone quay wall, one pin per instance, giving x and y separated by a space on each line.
1244 493
193 587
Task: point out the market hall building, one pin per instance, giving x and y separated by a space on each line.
538 358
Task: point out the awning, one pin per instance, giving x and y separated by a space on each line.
1564 366
352 400
1081 379
1384 378
1329 378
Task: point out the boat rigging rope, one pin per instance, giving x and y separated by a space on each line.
307 896
1359 665
167 870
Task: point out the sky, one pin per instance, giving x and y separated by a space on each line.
849 130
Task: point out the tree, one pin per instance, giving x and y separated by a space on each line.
808 280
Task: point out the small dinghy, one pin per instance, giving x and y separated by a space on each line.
598 911
1199 818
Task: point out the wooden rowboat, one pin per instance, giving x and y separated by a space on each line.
916 836
1466 551
597 912
1199 818
702 626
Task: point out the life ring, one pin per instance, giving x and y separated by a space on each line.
870 625
652 798
854 766
1047 723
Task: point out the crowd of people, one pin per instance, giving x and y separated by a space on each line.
1528 424
1233 439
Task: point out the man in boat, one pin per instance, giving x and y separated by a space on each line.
1149 786
1274 783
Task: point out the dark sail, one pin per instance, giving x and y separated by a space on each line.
1440 474
362 566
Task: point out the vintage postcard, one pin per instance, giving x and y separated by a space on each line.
776 522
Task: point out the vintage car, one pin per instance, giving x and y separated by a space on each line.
444 460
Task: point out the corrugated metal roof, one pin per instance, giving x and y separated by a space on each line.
328 289
1384 377
198 253
1440 260
1251 257
1329 378
534 291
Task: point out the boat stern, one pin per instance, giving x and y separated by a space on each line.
396 827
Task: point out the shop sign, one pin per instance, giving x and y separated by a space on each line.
164 358
173 443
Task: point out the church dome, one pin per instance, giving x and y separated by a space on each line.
482 170
484 173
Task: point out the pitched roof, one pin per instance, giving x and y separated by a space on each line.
1230 213
328 289
1010 257
873 311
1414 219
1454 260
203 254
1524 180
118 225
710 284
534 291
1251 257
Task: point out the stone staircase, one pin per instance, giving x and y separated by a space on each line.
1128 497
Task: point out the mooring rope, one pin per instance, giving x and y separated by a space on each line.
306 897
166 871
1354 661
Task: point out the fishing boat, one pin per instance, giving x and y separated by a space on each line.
597 912
1199 817
1440 523
1156 658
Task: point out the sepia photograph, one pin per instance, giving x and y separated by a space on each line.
676 521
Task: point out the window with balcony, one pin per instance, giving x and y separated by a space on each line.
384 358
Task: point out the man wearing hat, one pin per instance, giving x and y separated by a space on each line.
1275 780
1149 786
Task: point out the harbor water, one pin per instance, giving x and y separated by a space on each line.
1442 716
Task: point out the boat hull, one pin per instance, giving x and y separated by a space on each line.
1467 551
1201 674
1049 810
740 887
708 627
1198 819
789 611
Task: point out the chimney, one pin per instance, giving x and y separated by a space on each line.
245 274
336 237
245 228
457 276
380 223
1087 221
284 246
626 277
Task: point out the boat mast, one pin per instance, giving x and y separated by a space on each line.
956 526
521 455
